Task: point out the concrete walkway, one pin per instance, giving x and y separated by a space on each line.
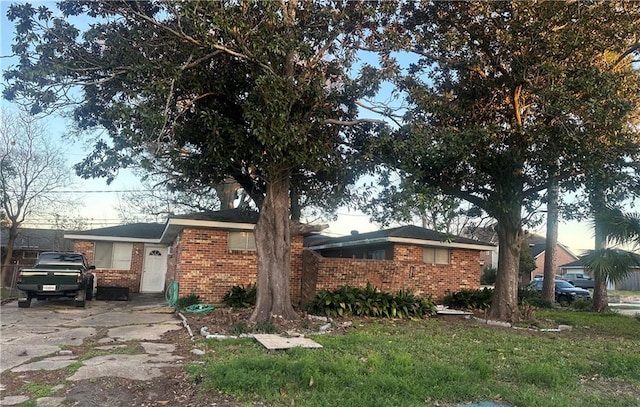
33 339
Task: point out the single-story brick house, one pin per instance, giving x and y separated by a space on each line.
208 253
412 258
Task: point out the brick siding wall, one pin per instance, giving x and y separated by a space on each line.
111 277
204 265
407 271
562 257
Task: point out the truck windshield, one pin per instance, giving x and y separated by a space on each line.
60 257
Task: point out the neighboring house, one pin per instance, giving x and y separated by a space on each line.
537 244
30 243
630 282
538 247
209 253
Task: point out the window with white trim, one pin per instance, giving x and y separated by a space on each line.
116 256
436 255
242 241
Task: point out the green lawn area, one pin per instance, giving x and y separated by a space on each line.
6 292
435 362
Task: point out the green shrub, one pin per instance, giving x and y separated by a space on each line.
533 298
184 302
370 302
240 296
489 276
581 305
469 299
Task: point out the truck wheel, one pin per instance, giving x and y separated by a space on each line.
81 298
24 303
89 293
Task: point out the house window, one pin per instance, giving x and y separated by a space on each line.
433 255
242 241
115 256
30 254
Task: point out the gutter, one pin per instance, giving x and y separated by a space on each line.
418 242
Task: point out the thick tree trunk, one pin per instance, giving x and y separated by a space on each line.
504 305
227 191
550 251
273 243
600 298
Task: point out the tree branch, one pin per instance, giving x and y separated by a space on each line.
352 122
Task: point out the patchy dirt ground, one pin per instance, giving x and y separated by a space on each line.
175 388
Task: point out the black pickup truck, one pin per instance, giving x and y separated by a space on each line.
57 274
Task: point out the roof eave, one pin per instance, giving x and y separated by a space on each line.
175 225
418 242
119 239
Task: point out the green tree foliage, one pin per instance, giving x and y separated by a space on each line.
503 93
527 263
258 91
404 202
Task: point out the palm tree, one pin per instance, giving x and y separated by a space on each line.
612 226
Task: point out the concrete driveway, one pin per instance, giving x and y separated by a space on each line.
35 338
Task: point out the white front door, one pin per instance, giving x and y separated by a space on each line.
154 269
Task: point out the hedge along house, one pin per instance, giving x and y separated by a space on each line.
205 253
410 258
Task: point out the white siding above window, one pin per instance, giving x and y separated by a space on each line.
242 241
115 256
434 255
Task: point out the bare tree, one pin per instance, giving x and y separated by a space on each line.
157 200
31 169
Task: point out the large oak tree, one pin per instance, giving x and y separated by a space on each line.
204 90
506 96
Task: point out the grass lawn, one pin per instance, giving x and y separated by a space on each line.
6 292
439 363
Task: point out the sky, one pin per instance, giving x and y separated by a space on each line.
100 201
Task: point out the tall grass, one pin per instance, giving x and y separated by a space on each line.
432 362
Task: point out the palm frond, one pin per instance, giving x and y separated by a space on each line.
611 264
619 227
